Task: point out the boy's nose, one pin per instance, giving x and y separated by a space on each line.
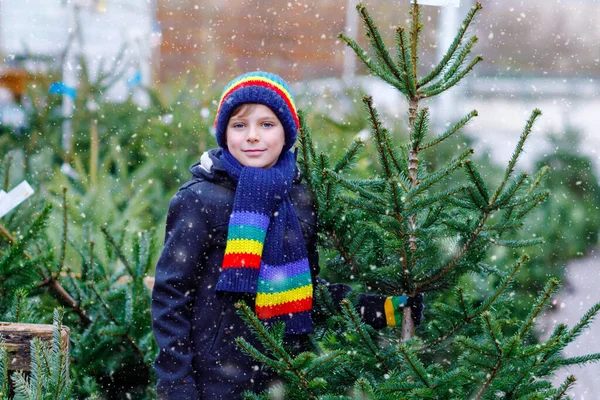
252 135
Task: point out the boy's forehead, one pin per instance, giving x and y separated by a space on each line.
253 109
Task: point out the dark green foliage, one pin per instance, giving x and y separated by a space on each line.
412 229
112 342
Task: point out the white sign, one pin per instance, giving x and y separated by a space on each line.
440 3
10 200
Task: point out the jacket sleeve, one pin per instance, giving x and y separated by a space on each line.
371 307
176 270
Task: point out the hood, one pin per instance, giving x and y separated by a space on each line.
211 168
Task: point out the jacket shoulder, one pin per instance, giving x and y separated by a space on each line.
216 199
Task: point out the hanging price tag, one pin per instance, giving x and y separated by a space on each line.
440 3
10 200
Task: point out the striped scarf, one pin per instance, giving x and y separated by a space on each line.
266 253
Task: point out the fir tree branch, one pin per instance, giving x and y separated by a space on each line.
481 363
477 200
503 227
579 360
526 372
517 152
460 58
354 188
451 131
450 266
583 323
31 233
398 201
434 177
415 29
477 180
491 330
455 44
566 385
329 193
505 282
379 133
481 309
7 235
7 172
74 285
463 305
510 191
349 156
540 348
371 66
65 298
117 322
433 91
419 129
307 149
474 346
268 340
416 366
258 356
517 243
542 173
405 64
489 379
542 301
358 246
363 335
533 205
432 216
377 42
364 205
92 269
319 365
535 198
117 248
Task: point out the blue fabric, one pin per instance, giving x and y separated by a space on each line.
266 191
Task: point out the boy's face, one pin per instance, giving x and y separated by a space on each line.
255 137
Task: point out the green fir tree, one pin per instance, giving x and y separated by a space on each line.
410 231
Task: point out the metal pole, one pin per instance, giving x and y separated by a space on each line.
351 32
447 26
69 74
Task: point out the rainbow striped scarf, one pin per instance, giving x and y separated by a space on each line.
266 253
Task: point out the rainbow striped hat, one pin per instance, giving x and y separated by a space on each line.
262 88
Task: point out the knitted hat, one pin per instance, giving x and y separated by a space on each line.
262 88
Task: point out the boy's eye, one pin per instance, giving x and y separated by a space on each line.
268 124
237 125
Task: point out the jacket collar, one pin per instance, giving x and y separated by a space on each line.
210 168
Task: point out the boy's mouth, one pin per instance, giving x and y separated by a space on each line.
255 151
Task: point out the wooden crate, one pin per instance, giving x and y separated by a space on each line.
17 339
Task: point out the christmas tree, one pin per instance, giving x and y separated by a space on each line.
412 231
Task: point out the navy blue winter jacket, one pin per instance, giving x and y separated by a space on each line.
195 327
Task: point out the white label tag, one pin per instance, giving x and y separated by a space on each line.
439 3
10 200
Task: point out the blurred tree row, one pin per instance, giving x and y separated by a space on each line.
90 235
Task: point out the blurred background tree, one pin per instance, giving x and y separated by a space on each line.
126 160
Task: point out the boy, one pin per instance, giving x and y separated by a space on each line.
242 228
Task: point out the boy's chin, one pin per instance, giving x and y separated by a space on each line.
258 163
